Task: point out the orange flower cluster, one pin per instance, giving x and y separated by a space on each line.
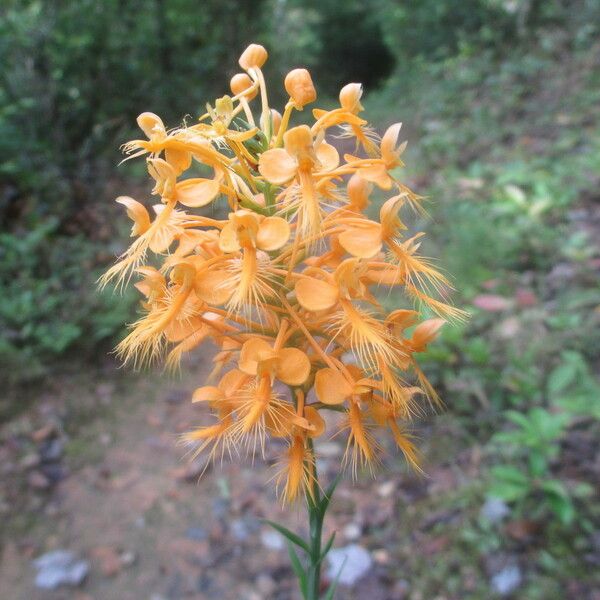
286 284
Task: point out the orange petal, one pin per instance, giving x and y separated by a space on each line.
392 275
180 160
214 287
388 215
331 386
277 166
389 141
293 366
137 213
402 318
425 332
151 124
350 96
273 233
316 420
377 174
208 393
179 329
380 410
232 381
328 157
278 427
228 240
153 281
197 191
363 241
254 351
314 294
358 191
164 176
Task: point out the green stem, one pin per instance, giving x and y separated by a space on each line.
316 514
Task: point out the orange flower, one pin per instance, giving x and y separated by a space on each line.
287 287
301 162
377 169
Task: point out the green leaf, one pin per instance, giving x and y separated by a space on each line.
329 493
327 546
290 535
559 500
298 570
549 426
564 375
537 463
510 484
518 419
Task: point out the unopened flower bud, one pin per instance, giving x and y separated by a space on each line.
240 83
299 85
254 56
276 119
350 96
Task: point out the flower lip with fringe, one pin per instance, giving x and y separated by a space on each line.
287 285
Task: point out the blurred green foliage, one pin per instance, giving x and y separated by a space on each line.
45 310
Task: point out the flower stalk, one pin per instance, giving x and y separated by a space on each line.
286 284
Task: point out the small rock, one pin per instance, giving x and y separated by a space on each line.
60 567
105 439
29 461
104 391
272 540
352 531
194 470
401 589
38 481
108 559
220 508
350 563
492 303
52 509
525 298
509 328
494 510
507 581
239 530
381 556
176 396
140 522
154 420
265 585
386 489
199 534
329 450
470 183
51 450
54 472
43 433
128 558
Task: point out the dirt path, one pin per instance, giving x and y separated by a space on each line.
134 508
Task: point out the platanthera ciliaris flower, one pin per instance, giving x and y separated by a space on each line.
286 276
